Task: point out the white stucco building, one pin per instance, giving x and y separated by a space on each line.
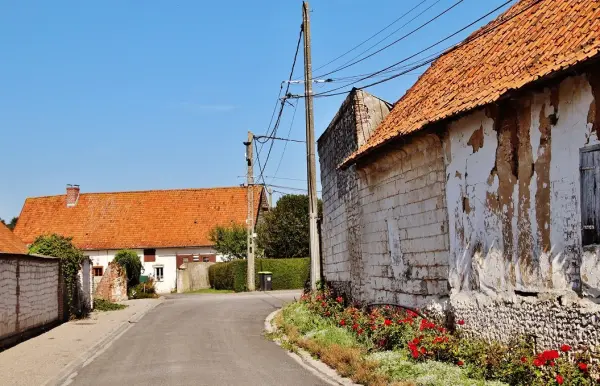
165 227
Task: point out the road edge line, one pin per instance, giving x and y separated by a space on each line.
305 359
64 377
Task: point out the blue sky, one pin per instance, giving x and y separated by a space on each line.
136 95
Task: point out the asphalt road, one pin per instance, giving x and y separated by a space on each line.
200 340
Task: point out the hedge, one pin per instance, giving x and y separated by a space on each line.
287 273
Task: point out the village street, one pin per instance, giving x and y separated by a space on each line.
200 340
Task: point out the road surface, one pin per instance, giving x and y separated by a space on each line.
200 340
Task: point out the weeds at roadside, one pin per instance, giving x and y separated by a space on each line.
105 305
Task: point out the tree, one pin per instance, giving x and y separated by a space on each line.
70 261
129 260
230 241
284 231
11 225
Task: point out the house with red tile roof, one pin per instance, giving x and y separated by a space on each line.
165 227
9 242
479 193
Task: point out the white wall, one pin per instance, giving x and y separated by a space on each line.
165 257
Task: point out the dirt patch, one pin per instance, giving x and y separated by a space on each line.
542 169
525 172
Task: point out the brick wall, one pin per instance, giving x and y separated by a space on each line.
113 285
30 294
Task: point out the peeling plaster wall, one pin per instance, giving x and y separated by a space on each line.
341 251
514 209
404 226
513 192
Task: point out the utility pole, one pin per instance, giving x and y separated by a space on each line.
315 256
250 217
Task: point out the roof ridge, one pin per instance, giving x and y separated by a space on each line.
144 191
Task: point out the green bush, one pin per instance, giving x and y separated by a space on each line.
143 290
105 305
129 260
287 273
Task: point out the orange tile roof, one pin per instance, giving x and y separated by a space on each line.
152 219
533 39
9 242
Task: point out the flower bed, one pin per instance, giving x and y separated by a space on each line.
397 345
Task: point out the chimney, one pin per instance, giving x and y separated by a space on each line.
72 195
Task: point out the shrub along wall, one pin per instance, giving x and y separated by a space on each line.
287 273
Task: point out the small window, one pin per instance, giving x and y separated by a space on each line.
149 255
159 273
98 271
206 259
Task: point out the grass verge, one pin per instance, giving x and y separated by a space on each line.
105 305
210 291
339 348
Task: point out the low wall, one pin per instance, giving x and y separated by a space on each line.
552 320
192 276
31 295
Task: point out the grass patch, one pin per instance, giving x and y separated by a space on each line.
210 291
105 305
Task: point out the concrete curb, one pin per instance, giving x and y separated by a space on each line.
66 376
303 357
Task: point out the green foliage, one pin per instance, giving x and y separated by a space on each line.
284 231
145 290
230 241
12 224
105 305
70 261
287 273
129 260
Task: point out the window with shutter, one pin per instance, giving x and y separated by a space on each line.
590 194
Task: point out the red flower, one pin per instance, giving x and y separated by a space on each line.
550 355
374 327
414 354
565 348
552 364
460 363
460 322
342 322
323 304
538 362
559 379
523 359
387 322
327 313
582 366
423 350
339 299
416 341
355 326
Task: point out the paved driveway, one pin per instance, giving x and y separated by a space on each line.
200 340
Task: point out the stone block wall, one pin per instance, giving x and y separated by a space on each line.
404 226
113 285
358 116
30 294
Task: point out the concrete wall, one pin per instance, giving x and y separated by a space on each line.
165 257
358 116
30 294
192 276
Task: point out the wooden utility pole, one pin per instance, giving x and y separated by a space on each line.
315 256
250 217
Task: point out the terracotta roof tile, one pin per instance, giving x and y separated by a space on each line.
531 40
9 242
155 218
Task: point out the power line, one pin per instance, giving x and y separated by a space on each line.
274 131
395 41
372 36
264 138
285 145
452 48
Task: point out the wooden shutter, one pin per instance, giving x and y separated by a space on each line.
590 195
